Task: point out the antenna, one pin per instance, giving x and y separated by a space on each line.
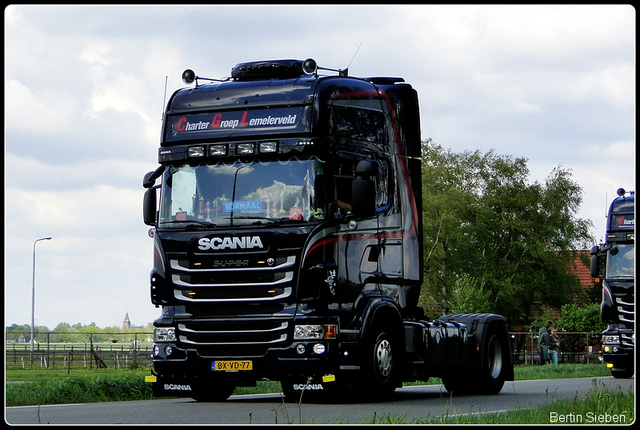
164 101
354 56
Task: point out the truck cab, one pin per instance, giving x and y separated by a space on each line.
287 237
613 264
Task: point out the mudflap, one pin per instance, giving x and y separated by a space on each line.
300 388
203 388
170 387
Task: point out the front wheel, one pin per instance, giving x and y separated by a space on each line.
622 372
380 366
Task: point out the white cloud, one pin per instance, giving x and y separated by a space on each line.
38 111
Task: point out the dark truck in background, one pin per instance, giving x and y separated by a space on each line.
613 264
288 242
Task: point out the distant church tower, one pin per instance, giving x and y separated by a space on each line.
127 322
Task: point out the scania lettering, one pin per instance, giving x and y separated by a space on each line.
313 387
288 242
170 387
613 266
229 243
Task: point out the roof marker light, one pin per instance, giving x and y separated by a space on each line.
218 150
196 151
245 148
268 147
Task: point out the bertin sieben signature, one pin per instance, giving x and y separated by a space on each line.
587 418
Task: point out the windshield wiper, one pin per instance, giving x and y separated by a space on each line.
192 221
281 220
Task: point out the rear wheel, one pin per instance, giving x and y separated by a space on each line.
490 378
493 377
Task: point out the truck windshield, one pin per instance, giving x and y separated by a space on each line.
236 194
620 261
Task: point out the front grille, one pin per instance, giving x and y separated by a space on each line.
624 304
626 340
232 337
234 280
231 302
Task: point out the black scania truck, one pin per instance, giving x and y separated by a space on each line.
287 242
614 265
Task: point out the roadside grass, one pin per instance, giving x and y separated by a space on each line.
601 406
54 386
88 387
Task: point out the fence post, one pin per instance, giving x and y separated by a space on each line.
588 352
48 341
134 365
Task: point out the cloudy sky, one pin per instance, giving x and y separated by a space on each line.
85 87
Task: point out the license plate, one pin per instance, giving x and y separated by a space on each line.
231 365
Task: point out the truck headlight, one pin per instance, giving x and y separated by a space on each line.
164 334
308 331
611 339
314 331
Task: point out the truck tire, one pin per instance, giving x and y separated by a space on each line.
380 363
489 379
492 377
622 373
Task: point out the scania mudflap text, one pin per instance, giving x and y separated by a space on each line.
613 264
287 241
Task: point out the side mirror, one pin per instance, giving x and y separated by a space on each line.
363 189
595 266
150 178
149 207
594 250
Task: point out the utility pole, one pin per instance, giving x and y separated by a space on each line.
33 294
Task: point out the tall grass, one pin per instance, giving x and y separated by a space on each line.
601 406
78 389
41 387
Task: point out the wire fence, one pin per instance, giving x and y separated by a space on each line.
55 350
575 347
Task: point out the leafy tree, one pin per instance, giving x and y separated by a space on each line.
485 226
576 318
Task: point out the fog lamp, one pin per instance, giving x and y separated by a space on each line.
300 348
319 348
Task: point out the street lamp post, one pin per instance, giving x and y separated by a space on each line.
33 294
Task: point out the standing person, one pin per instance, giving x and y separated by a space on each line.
544 341
553 345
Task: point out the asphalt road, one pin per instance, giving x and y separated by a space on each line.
409 403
